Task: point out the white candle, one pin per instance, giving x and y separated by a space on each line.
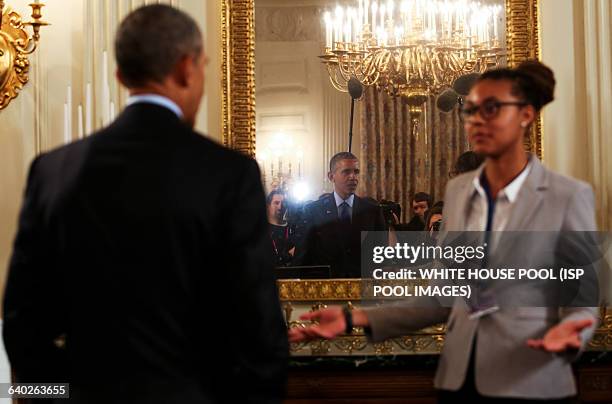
328 30
67 137
339 17
69 106
374 14
383 10
112 112
366 11
80 121
361 16
495 19
104 67
356 25
347 31
409 19
105 105
398 35
88 110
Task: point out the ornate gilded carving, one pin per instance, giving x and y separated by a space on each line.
299 23
522 38
239 75
602 340
347 291
15 46
319 290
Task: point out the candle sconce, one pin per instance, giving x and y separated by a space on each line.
15 46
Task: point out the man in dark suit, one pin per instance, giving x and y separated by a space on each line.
333 224
126 252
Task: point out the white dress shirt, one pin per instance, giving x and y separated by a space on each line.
157 100
349 201
478 206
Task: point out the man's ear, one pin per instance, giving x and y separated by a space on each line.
183 71
330 176
120 78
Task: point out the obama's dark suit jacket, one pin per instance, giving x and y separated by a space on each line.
325 240
145 248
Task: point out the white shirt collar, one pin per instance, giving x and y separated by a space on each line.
157 100
350 200
511 190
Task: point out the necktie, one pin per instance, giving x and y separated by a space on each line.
344 212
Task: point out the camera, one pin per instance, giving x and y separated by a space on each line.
389 208
436 225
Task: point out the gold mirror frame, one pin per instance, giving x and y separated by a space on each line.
238 35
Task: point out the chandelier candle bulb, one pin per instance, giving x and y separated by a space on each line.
328 30
80 121
88 110
390 13
66 130
69 106
374 14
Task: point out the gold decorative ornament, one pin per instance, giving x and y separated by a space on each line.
523 44
15 46
427 341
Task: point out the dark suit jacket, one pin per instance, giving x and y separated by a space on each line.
146 247
326 241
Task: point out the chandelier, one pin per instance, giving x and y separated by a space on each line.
411 48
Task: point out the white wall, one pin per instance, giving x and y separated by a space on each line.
576 44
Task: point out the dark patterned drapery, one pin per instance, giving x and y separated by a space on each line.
398 163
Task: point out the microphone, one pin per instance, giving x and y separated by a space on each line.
356 91
447 100
355 88
463 84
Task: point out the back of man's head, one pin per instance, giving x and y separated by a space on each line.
150 42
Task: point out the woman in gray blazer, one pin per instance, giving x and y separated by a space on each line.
511 354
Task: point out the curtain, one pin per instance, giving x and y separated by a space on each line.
398 163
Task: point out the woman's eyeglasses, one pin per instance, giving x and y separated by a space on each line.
488 110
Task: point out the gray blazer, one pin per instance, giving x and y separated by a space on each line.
504 365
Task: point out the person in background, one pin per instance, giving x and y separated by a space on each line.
281 234
420 204
512 191
126 250
333 224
